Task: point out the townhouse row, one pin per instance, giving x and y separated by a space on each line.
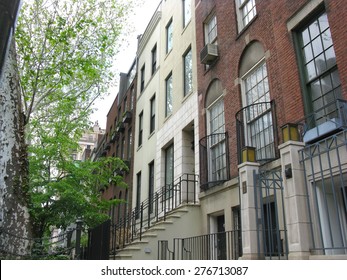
233 121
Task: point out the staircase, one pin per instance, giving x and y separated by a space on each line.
182 221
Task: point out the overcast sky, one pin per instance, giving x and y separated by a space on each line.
141 18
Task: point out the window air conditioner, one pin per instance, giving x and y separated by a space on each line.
209 54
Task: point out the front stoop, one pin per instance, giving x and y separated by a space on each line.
168 229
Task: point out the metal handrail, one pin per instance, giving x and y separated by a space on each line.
154 209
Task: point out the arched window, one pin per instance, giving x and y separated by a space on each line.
215 157
257 115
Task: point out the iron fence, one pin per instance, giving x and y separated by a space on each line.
324 165
215 246
153 209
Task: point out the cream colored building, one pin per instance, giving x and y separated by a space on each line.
166 161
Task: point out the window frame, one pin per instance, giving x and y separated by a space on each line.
215 145
140 127
142 81
169 151
186 7
187 83
240 13
169 36
207 31
151 182
168 95
130 140
138 193
267 134
152 115
305 81
154 59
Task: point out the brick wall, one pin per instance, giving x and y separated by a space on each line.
269 27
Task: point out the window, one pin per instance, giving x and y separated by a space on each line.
152 117
142 85
188 72
322 80
211 30
138 194
246 11
154 59
169 37
125 104
140 129
187 12
130 143
169 169
151 185
132 96
259 132
217 154
168 95
123 148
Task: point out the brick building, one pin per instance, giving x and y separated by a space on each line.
249 98
271 68
118 141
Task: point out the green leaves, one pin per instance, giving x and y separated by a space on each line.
65 53
66 48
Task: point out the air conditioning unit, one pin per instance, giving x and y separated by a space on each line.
209 54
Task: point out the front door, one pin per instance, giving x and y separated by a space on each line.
221 238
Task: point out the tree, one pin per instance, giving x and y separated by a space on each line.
15 230
75 192
66 50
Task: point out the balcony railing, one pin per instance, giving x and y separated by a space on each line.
216 246
214 160
256 127
153 209
324 122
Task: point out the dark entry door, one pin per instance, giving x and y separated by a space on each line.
221 238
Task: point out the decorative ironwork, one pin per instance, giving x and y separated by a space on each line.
153 209
326 180
214 246
214 160
256 127
323 122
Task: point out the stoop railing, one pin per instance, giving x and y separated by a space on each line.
215 246
153 209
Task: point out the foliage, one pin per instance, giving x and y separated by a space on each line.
75 192
65 54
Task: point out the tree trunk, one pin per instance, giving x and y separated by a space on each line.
15 231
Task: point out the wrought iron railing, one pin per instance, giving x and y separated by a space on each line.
214 160
323 166
153 209
256 126
323 122
216 246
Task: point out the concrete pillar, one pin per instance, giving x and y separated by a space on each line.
248 210
295 201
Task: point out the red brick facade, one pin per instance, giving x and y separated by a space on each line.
269 27
117 143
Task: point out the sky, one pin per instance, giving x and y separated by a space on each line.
124 59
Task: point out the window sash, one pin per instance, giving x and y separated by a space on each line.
168 96
188 73
211 30
187 12
322 80
169 37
